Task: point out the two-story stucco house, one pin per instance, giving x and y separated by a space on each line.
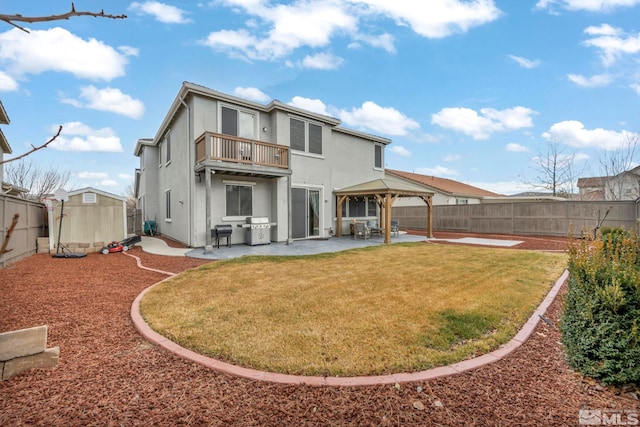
218 159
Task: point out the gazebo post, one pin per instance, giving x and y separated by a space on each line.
387 218
341 200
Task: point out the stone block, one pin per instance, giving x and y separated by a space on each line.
72 245
98 245
84 245
23 342
43 360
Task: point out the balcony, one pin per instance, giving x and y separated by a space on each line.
240 155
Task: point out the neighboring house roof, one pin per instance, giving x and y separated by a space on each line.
4 144
4 118
443 185
593 181
13 190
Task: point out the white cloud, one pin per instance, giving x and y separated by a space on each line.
400 151
125 176
77 136
108 183
573 133
505 187
7 83
524 62
384 120
612 43
593 81
160 11
383 41
635 87
129 51
487 122
322 61
313 105
251 93
92 175
59 50
280 29
435 18
108 99
436 171
588 5
276 30
452 158
516 148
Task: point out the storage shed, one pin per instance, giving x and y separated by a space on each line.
91 219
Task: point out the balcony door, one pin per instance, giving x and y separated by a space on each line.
305 210
238 123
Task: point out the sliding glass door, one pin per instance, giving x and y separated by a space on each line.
305 208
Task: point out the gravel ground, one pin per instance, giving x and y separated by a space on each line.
109 375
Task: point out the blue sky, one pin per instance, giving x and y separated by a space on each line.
469 90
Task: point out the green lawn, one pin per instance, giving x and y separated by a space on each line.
385 309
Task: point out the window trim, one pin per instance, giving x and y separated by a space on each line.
167 205
237 184
375 166
167 143
307 142
239 109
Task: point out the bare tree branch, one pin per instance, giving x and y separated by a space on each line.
34 149
12 19
3 248
556 170
615 164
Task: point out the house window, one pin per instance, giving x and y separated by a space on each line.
167 144
237 123
297 134
239 200
167 203
462 201
378 157
305 136
359 207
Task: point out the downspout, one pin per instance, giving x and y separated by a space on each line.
289 207
191 176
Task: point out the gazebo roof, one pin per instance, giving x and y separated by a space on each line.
384 186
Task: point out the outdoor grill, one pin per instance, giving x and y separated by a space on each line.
257 230
222 230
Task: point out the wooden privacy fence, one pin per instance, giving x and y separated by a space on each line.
24 235
525 218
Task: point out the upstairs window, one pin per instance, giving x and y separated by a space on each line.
305 136
167 145
378 157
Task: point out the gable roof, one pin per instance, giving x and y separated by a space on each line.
384 186
443 185
592 181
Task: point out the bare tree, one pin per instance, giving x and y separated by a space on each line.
615 164
556 170
12 19
38 180
130 194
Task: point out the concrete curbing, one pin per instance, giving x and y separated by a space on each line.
152 336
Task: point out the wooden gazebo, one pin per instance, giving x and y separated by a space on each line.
385 192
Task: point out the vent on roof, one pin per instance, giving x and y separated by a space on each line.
89 198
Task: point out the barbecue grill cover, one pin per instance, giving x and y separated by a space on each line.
221 230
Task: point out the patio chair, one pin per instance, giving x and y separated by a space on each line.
362 231
395 227
373 227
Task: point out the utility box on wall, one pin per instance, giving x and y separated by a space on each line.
91 218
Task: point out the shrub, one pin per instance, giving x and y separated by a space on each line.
600 323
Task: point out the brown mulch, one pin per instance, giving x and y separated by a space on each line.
109 375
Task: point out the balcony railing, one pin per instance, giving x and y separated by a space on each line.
227 148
